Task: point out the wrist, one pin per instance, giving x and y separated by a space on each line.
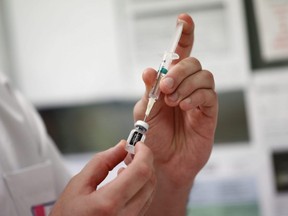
170 198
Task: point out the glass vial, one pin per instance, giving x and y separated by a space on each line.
136 135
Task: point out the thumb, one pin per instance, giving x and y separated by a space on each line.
149 76
99 166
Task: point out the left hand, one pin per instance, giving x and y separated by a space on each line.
130 193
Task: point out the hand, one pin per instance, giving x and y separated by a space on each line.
182 122
130 193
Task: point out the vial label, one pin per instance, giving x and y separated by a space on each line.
136 135
135 138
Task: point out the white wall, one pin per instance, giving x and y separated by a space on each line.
63 51
73 51
3 66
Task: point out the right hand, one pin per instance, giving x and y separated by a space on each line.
130 193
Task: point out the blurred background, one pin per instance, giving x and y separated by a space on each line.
80 63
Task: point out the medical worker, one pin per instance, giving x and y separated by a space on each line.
157 181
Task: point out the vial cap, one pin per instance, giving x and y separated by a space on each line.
143 124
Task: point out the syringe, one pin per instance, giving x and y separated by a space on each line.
168 57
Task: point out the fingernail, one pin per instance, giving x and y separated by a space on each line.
173 97
168 82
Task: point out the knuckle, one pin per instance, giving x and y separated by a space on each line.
208 75
107 208
181 66
194 61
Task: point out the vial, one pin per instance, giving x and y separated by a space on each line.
136 135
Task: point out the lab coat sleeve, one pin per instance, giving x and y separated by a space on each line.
47 146
61 172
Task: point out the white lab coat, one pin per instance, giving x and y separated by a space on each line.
32 173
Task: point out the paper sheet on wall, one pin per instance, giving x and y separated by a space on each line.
272 22
269 99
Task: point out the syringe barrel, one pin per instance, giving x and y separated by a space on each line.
168 57
155 91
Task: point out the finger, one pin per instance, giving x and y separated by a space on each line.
183 49
148 76
128 159
178 73
132 179
187 37
200 80
98 167
205 99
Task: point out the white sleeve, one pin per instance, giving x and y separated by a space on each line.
46 145
61 172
